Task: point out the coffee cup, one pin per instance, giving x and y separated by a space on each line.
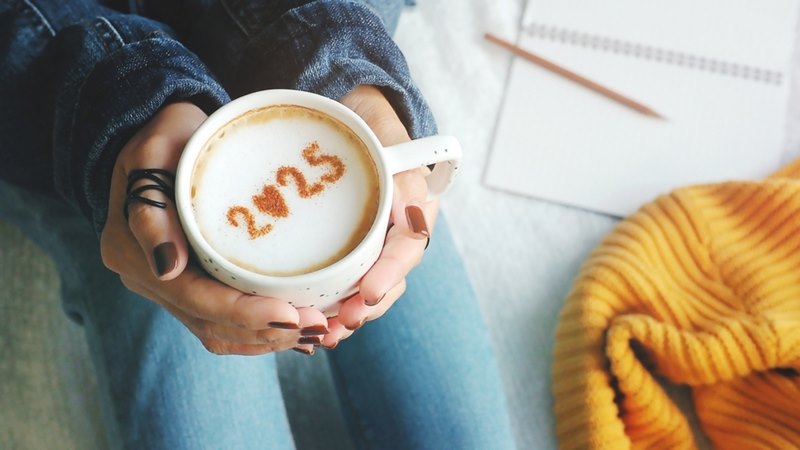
287 194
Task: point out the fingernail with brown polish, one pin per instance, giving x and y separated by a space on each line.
416 221
314 330
304 351
312 340
374 302
284 325
165 256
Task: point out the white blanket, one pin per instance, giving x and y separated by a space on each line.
522 253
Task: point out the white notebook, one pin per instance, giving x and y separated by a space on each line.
718 70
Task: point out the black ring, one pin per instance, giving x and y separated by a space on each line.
164 181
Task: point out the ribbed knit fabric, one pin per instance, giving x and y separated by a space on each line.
702 288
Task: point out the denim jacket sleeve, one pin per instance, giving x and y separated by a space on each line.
323 46
78 81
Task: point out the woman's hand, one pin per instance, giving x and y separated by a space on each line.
150 253
412 221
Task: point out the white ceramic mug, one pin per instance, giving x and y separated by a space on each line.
322 288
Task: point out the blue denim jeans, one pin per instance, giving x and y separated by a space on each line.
423 376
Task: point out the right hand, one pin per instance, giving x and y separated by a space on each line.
150 253
404 246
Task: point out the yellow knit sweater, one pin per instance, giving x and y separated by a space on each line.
699 288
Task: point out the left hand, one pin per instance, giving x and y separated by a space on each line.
150 253
412 221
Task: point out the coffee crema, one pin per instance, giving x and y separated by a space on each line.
284 190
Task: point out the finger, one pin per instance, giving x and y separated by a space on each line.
307 350
158 231
353 312
405 241
199 296
356 314
394 294
313 326
120 251
207 331
233 348
276 339
408 210
337 333
400 254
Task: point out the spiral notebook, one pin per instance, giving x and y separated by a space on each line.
718 70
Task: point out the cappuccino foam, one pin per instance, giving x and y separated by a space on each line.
284 190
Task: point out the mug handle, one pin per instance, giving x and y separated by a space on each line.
444 151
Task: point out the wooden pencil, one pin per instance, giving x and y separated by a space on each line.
572 76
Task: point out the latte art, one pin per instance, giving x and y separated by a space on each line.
270 200
284 190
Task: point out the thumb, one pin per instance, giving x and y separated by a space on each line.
153 220
149 163
411 191
408 204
